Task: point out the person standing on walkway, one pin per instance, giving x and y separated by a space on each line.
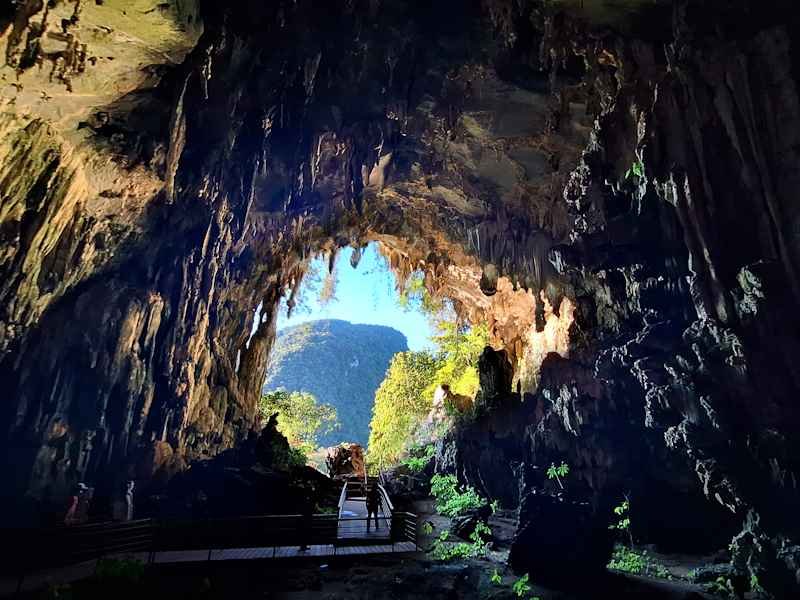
374 503
306 518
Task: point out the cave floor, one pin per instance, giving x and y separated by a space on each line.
356 578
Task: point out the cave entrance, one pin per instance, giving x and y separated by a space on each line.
378 346
339 334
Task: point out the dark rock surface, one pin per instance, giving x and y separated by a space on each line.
255 478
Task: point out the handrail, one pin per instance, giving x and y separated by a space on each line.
342 498
69 545
386 497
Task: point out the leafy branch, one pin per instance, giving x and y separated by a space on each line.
557 472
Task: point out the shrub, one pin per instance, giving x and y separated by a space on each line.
521 586
623 523
420 457
637 563
452 501
478 545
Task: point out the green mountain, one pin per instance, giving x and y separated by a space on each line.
340 363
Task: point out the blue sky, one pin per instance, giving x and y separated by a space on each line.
365 294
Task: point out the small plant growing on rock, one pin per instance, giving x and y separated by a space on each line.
444 550
755 586
636 170
723 587
450 501
623 523
557 472
636 563
496 579
521 586
495 506
427 528
420 457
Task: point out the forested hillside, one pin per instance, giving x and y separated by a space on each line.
341 364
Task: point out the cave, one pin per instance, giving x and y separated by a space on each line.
605 184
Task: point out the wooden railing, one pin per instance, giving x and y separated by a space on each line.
40 549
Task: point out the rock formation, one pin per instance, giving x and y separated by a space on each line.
638 160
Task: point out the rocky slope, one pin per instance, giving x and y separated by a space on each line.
638 160
341 364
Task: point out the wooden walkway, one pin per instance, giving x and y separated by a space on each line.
72 573
356 509
41 553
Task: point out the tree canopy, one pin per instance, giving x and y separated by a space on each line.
400 403
300 417
405 397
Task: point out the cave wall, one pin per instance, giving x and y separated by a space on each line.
680 382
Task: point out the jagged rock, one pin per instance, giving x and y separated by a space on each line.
345 460
255 478
709 573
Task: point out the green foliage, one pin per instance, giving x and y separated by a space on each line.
451 500
638 563
722 586
300 418
755 585
400 405
414 295
120 569
405 397
297 457
522 586
623 523
443 549
459 349
557 472
496 578
427 528
419 457
495 506
339 363
636 170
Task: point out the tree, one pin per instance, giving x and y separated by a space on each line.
405 397
400 403
300 417
459 349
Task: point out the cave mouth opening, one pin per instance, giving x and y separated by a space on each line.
341 330
360 318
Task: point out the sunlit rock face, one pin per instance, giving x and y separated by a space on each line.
610 186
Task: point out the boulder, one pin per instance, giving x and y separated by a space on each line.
559 538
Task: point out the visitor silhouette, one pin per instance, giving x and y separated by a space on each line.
374 503
306 518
